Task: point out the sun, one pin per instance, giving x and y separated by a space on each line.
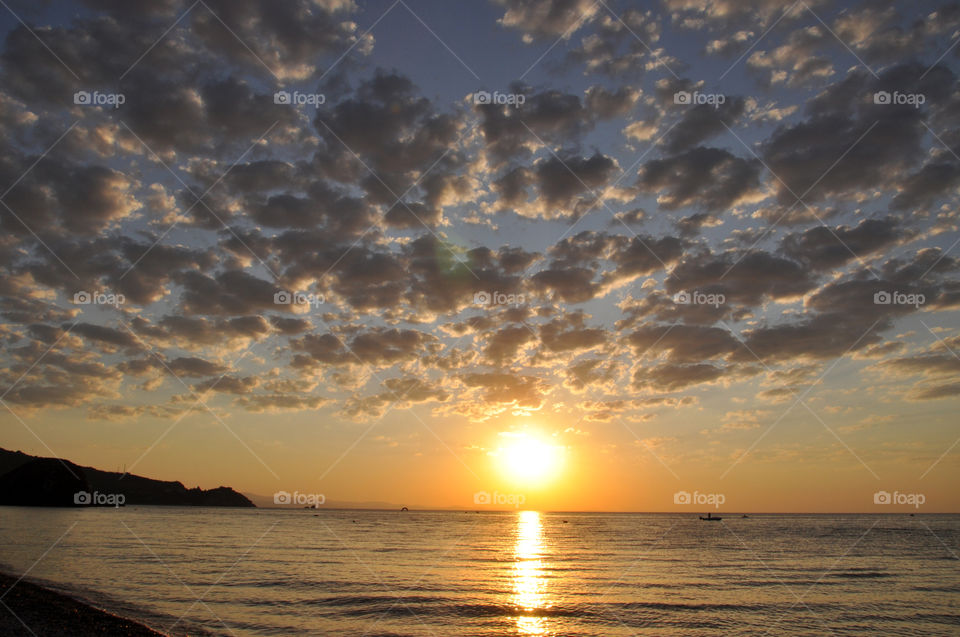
528 460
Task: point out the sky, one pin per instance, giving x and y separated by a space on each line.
563 255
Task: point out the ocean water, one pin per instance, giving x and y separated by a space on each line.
289 572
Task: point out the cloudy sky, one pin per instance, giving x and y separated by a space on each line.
363 248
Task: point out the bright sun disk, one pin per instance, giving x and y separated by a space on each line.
528 460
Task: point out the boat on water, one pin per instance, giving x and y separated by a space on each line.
710 518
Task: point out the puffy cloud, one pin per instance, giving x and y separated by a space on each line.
509 388
313 207
700 122
622 45
670 377
848 143
684 343
547 19
287 39
503 345
707 178
796 62
377 346
731 14
824 248
565 186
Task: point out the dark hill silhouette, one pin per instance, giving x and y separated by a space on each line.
45 482
27 480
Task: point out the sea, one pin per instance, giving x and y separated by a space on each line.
209 571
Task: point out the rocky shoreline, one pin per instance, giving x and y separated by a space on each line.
28 610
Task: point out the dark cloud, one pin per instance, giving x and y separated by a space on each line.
570 333
685 343
560 180
824 248
384 202
621 45
849 143
551 115
509 388
742 277
707 178
700 122
379 346
503 346
192 366
669 377
288 39
920 189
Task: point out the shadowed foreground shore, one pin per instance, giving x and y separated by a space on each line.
47 613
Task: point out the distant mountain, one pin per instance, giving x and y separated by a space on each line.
27 480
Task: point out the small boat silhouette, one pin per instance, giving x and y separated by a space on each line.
710 518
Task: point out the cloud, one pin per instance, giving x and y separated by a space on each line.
509 388
848 143
376 346
703 121
708 178
447 243
286 39
669 377
546 19
621 45
824 248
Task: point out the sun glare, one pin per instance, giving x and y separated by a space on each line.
528 460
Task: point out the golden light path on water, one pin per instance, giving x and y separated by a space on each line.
529 583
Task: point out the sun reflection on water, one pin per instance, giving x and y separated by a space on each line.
529 583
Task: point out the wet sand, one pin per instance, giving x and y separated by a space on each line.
29 610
